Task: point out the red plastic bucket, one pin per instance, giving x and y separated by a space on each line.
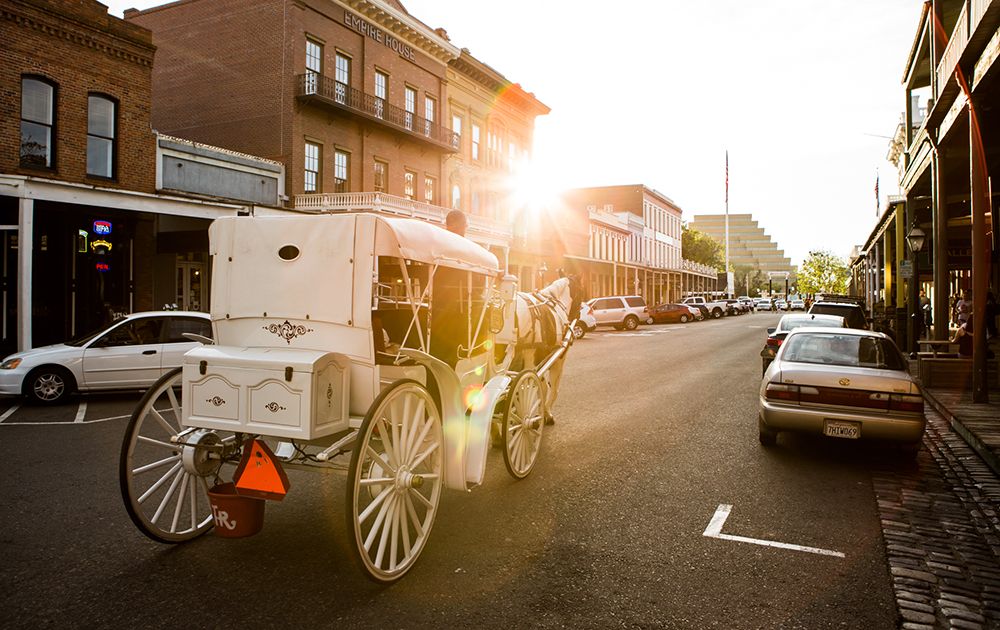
235 516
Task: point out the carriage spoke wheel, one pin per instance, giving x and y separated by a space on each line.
164 485
394 481
523 421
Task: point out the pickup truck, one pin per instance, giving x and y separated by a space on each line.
714 309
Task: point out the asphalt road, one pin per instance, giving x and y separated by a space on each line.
655 430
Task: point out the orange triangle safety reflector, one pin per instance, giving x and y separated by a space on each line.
260 475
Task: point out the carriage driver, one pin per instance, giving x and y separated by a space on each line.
450 318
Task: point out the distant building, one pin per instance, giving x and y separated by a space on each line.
749 244
627 240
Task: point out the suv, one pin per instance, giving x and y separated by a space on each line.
621 311
852 312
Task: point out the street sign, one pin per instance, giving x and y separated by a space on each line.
905 269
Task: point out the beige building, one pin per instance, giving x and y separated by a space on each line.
749 244
494 125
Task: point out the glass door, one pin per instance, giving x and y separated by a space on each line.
190 286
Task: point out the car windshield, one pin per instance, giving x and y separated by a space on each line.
79 341
845 350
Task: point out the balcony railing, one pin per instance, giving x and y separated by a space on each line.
953 51
480 229
698 268
313 86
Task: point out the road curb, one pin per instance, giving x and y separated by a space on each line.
977 445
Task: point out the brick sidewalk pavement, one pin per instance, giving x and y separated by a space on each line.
941 526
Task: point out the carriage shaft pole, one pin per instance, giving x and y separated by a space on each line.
558 352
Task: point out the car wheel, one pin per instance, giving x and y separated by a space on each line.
767 437
717 313
684 319
578 331
48 385
631 322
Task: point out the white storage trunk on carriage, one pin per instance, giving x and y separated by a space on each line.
280 392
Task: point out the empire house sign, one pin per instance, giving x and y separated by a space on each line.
356 23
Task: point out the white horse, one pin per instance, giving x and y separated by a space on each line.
541 321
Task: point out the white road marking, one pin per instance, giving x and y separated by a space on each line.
714 530
35 424
81 412
9 413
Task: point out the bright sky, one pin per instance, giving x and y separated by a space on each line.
802 93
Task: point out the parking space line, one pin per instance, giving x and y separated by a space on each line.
81 412
9 413
36 424
714 530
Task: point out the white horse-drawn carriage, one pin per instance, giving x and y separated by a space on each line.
387 342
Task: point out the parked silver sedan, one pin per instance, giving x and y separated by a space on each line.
129 353
842 383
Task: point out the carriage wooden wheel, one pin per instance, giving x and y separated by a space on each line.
523 422
394 481
165 485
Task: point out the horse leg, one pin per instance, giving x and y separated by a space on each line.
552 379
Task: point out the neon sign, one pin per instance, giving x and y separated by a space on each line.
102 267
102 227
94 245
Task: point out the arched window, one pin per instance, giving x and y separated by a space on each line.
38 102
102 124
456 197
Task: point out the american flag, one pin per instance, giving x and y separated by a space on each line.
876 194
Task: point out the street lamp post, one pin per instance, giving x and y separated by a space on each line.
915 240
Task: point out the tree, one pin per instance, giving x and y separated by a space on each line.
701 248
748 280
822 272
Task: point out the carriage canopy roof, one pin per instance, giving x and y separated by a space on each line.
319 267
429 243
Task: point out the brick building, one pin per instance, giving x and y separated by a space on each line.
352 97
85 232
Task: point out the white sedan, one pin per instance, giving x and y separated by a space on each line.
842 383
129 353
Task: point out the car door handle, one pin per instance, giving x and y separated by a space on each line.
149 351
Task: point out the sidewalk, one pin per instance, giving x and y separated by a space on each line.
977 423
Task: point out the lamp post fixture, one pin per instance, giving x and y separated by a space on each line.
915 239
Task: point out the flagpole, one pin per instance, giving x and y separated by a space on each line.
728 288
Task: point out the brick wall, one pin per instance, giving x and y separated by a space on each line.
225 74
217 77
77 46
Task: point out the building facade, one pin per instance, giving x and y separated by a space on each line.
945 148
749 245
494 125
352 97
631 243
100 215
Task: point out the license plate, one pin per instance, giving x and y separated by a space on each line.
842 429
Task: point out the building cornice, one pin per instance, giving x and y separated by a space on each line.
467 65
116 37
405 27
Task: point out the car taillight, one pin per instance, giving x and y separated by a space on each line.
779 391
774 341
906 402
